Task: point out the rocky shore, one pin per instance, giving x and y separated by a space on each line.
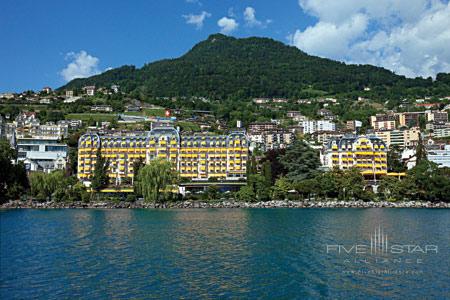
229 204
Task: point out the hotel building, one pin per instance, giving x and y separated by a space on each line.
366 153
195 157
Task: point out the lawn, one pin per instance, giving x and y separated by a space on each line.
95 117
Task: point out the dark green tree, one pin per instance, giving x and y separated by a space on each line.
394 160
100 179
300 161
13 178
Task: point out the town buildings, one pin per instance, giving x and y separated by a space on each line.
366 153
383 121
196 157
90 90
353 125
311 126
440 155
102 108
401 138
42 153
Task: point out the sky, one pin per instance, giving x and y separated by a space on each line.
50 42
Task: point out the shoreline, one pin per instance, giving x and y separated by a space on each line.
224 204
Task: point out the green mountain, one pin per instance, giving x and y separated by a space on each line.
222 67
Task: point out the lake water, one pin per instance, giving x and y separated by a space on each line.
224 253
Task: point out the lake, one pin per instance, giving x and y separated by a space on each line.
225 253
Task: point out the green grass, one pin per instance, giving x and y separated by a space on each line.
188 126
155 112
95 117
149 112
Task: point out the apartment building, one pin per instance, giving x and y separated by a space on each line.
409 119
196 157
383 121
401 138
258 127
366 153
42 153
272 139
311 126
437 116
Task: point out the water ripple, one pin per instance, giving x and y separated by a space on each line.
226 253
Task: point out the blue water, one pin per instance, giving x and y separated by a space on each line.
235 253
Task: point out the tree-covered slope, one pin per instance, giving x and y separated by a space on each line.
222 66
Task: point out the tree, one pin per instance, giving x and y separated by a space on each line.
350 184
252 166
281 188
301 161
100 179
259 186
394 160
432 183
137 166
155 181
246 194
277 169
13 178
267 172
44 185
421 152
212 192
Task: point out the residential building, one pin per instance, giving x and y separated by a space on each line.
69 94
196 157
103 108
90 90
293 114
353 125
401 138
437 116
441 132
50 130
311 126
115 88
383 121
42 154
272 139
47 89
367 153
326 114
261 100
72 124
258 127
323 137
440 156
427 105
409 119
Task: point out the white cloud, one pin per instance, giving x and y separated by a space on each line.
251 20
409 37
329 39
197 20
227 25
82 65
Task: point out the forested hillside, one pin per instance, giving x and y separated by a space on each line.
223 67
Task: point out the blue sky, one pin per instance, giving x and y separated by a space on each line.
47 42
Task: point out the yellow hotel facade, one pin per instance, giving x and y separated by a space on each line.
366 153
196 157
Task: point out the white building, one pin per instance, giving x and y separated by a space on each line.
441 156
311 126
90 90
42 154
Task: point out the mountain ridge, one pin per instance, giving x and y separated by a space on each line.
222 67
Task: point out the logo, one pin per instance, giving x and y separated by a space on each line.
380 245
